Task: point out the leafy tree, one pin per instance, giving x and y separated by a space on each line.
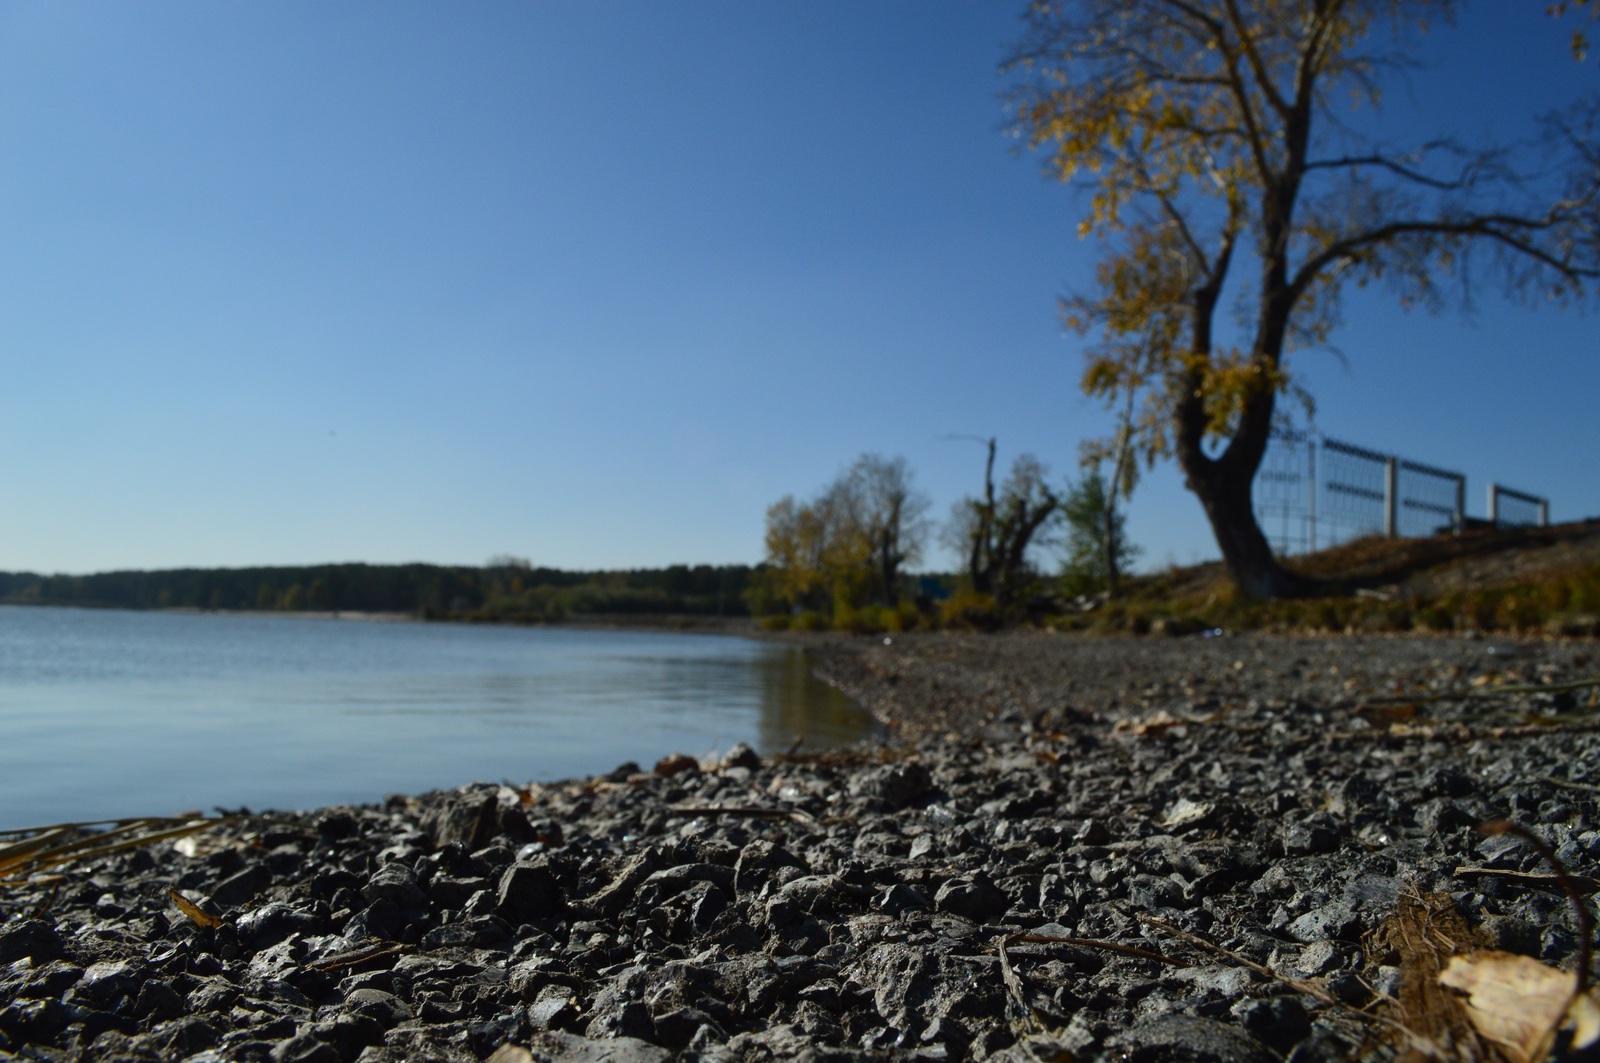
878 503
995 531
1204 132
1097 546
847 546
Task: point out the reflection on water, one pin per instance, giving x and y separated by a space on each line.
112 713
797 706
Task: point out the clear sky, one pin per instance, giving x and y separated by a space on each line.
595 283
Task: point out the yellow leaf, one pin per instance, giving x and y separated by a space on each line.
1518 1002
194 911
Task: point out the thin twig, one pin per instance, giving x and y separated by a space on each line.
1585 922
1316 990
1091 943
1568 886
1462 733
1568 784
1582 883
356 956
1484 692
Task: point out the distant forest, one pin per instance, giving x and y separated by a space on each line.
507 589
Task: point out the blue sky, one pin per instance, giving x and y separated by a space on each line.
594 284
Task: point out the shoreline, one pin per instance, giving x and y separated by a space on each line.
667 623
867 902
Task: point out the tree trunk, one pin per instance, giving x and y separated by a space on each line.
1108 532
1225 495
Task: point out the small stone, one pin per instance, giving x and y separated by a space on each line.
892 787
570 1048
305 1048
272 923
1335 920
158 1002
900 898
1310 836
552 1007
1441 815
1189 1039
469 933
240 888
29 938
1317 958
741 756
677 764
384 1008
1278 1022
397 884
973 897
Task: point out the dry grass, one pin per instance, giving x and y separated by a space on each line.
1522 581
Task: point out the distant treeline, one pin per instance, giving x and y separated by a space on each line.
507 589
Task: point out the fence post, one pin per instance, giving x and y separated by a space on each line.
1391 496
1460 517
1494 505
1544 513
1311 494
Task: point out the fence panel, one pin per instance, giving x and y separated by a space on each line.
1311 495
1508 508
1354 495
1283 493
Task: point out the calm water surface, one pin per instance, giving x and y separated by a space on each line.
108 713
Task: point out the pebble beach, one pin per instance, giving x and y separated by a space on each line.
1229 848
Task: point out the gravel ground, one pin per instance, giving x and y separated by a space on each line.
1194 849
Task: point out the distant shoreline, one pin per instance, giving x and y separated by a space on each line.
670 623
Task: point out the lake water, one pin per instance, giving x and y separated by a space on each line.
107 713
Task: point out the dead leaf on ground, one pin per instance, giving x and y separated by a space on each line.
1382 716
196 914
1159 724
1184 812
1519 1003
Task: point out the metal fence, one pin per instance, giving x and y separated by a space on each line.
1316 492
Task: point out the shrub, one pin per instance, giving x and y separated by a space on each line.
808 621
867 620
971 610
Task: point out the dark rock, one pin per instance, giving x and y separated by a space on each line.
1189 1039
157 1002
553 1008
1441 814
29 938
1278 1022
892 787
185 1036
1334 920
741 756
1317 833
469 933
569 1048
103 983
273 922
305 1048
386 1009
973 897
528 892
757 861
397 884
241 887
900 898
